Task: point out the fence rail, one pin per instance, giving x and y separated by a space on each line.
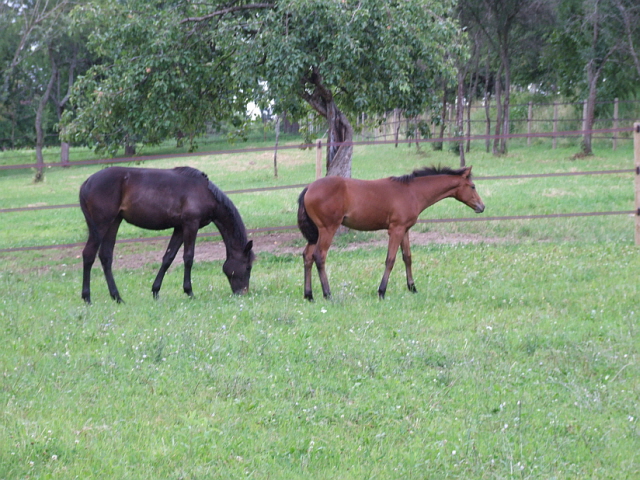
318 146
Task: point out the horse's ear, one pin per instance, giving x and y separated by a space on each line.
467 172
248 247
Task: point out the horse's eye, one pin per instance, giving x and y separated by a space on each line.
473 187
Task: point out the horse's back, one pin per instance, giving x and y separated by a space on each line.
357 204
147 197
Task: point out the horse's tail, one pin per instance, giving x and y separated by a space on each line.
91 224
305 224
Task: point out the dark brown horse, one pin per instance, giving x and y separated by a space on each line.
389 203
182 198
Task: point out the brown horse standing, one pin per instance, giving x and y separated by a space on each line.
391 203
182 198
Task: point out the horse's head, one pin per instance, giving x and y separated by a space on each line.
467 194
237 268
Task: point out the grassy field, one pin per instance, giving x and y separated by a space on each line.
517 358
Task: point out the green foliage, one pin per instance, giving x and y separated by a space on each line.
171 70
373 56
157 79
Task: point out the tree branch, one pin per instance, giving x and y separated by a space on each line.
224 11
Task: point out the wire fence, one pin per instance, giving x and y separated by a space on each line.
298 186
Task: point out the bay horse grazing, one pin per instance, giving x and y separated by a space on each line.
182 198
392 203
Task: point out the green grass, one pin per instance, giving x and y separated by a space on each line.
516 359
511 361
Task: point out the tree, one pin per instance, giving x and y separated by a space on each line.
174 66
28 28
345 58
511 29
587 38
155 77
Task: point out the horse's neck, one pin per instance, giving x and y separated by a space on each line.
233 234
430 190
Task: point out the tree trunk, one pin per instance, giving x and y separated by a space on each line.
397 113
460 114
496 141
487 106
275 150
64 154
443 117
592 79
507 100
39 119
129 147
340 134
62 102
472 94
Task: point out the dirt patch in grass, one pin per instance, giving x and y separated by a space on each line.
282 243
141 254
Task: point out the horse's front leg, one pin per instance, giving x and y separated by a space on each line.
406 256
190 233
307 257
106 258
395 237
167 260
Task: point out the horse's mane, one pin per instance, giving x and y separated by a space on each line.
190 172
239 231
429 172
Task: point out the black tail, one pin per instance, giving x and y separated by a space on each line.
305 224
93 229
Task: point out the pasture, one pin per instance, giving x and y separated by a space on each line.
517 358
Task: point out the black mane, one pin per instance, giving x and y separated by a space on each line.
239 232
190 172
429 172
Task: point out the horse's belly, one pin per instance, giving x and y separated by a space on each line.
364 224
151 219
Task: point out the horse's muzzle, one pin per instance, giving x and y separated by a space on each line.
479 208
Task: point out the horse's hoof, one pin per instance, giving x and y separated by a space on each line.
381 295
308 296
412 288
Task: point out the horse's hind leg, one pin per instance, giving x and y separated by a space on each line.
106 257
167 259
395 238
406 256
88 257
307 256
320 256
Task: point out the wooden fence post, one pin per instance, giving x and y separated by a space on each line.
318 159
615 123
529 118
555 124
636 155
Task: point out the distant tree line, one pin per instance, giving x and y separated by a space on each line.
111 74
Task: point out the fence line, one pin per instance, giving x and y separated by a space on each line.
294 227
636 213
304 146
302 185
